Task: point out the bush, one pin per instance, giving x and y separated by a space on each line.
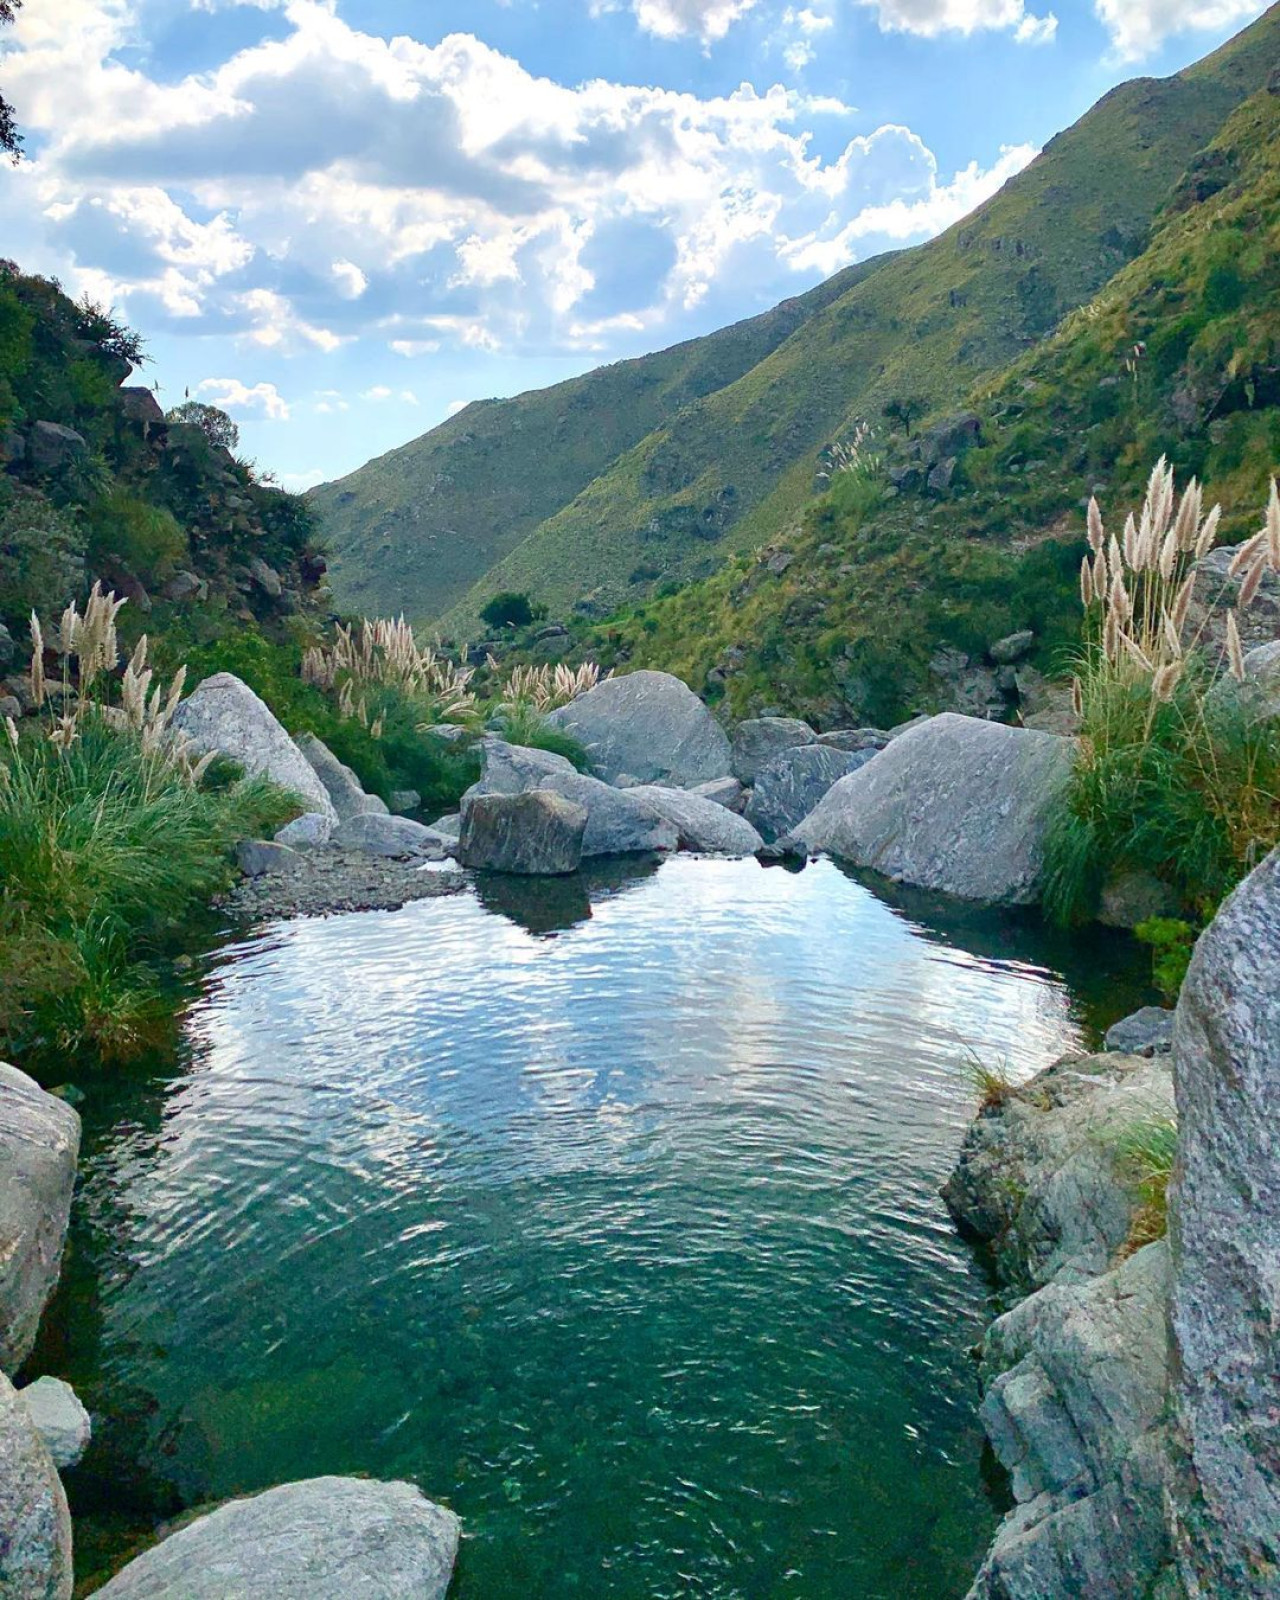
146 538
212 421
1172 942
41 555
511 610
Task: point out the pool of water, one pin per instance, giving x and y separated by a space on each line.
605 1211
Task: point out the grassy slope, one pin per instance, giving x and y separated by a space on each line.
847 632
735 468
415 528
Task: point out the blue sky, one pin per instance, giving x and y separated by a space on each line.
342 219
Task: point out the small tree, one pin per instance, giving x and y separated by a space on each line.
215 424
10 138
511 610
902 412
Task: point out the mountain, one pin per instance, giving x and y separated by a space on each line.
603 491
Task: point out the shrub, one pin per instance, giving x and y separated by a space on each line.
511 610
217 427
1172 942
146 538
41 555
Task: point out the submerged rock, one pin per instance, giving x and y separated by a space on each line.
1224 1228
59 1418
648 724
702 824
39 1147
225 715
321 1539
757 741
954 804
793 783
533 834
35 1525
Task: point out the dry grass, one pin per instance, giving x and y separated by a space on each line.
544 688
384 654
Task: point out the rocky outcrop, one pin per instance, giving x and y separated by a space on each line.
1224 1230
321 1539
39 1146
60 1419
789 787
650 725
533 834
757 741
340 783
35 1525
954 804
702 824
225 715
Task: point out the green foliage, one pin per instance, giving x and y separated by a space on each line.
1172 942
41 556
217 427
902 411
521 723
511 610
123 528
1145 1154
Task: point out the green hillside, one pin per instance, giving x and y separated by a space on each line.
415 528
584 496
1179 354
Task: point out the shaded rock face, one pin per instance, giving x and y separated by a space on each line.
757 742
321 1539
1133 897
346 795
793 783
514 768
257 857
534 834
650 725
953 804
224 714
1148 1032
702 824
724 791
855 739
1224 1228
35 1525
39 1146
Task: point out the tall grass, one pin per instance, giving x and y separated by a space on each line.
1176 775
526 696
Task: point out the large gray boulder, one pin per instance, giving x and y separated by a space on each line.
515 768
39 1146
321 1539
702 824
536 834
650 725
1225 1235
394 838
225 715
35 1525
790 786
757 741
341 784
954 804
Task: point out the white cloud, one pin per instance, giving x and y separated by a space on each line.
671 19
454 406
232 395
1137 27
381 392
351 282
930 18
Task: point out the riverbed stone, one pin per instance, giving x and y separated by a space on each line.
39 1147
320 1539
1224 1228
225 715
757 741
396 838
534 834
60 1419
648 724
346 795
310 831
35 1524
789 787
703 825
1148 1032
257 857
954 804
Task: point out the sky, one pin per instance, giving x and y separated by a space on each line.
341 220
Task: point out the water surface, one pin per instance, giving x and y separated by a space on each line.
614 1225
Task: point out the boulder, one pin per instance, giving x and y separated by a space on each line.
1129 898
225 715
139 404
537 833
59 1418
449 732
1011 649
758 741
1259 695
703 825
449 826
310 831
321 1539
346 795
185 586
404 801
52 448
35 1525
1042 1174
724 791
793 783
266 578
855 739
650 725
955 804
1224 1227
1148 1032
257 857
515 768
395 838
39 1146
